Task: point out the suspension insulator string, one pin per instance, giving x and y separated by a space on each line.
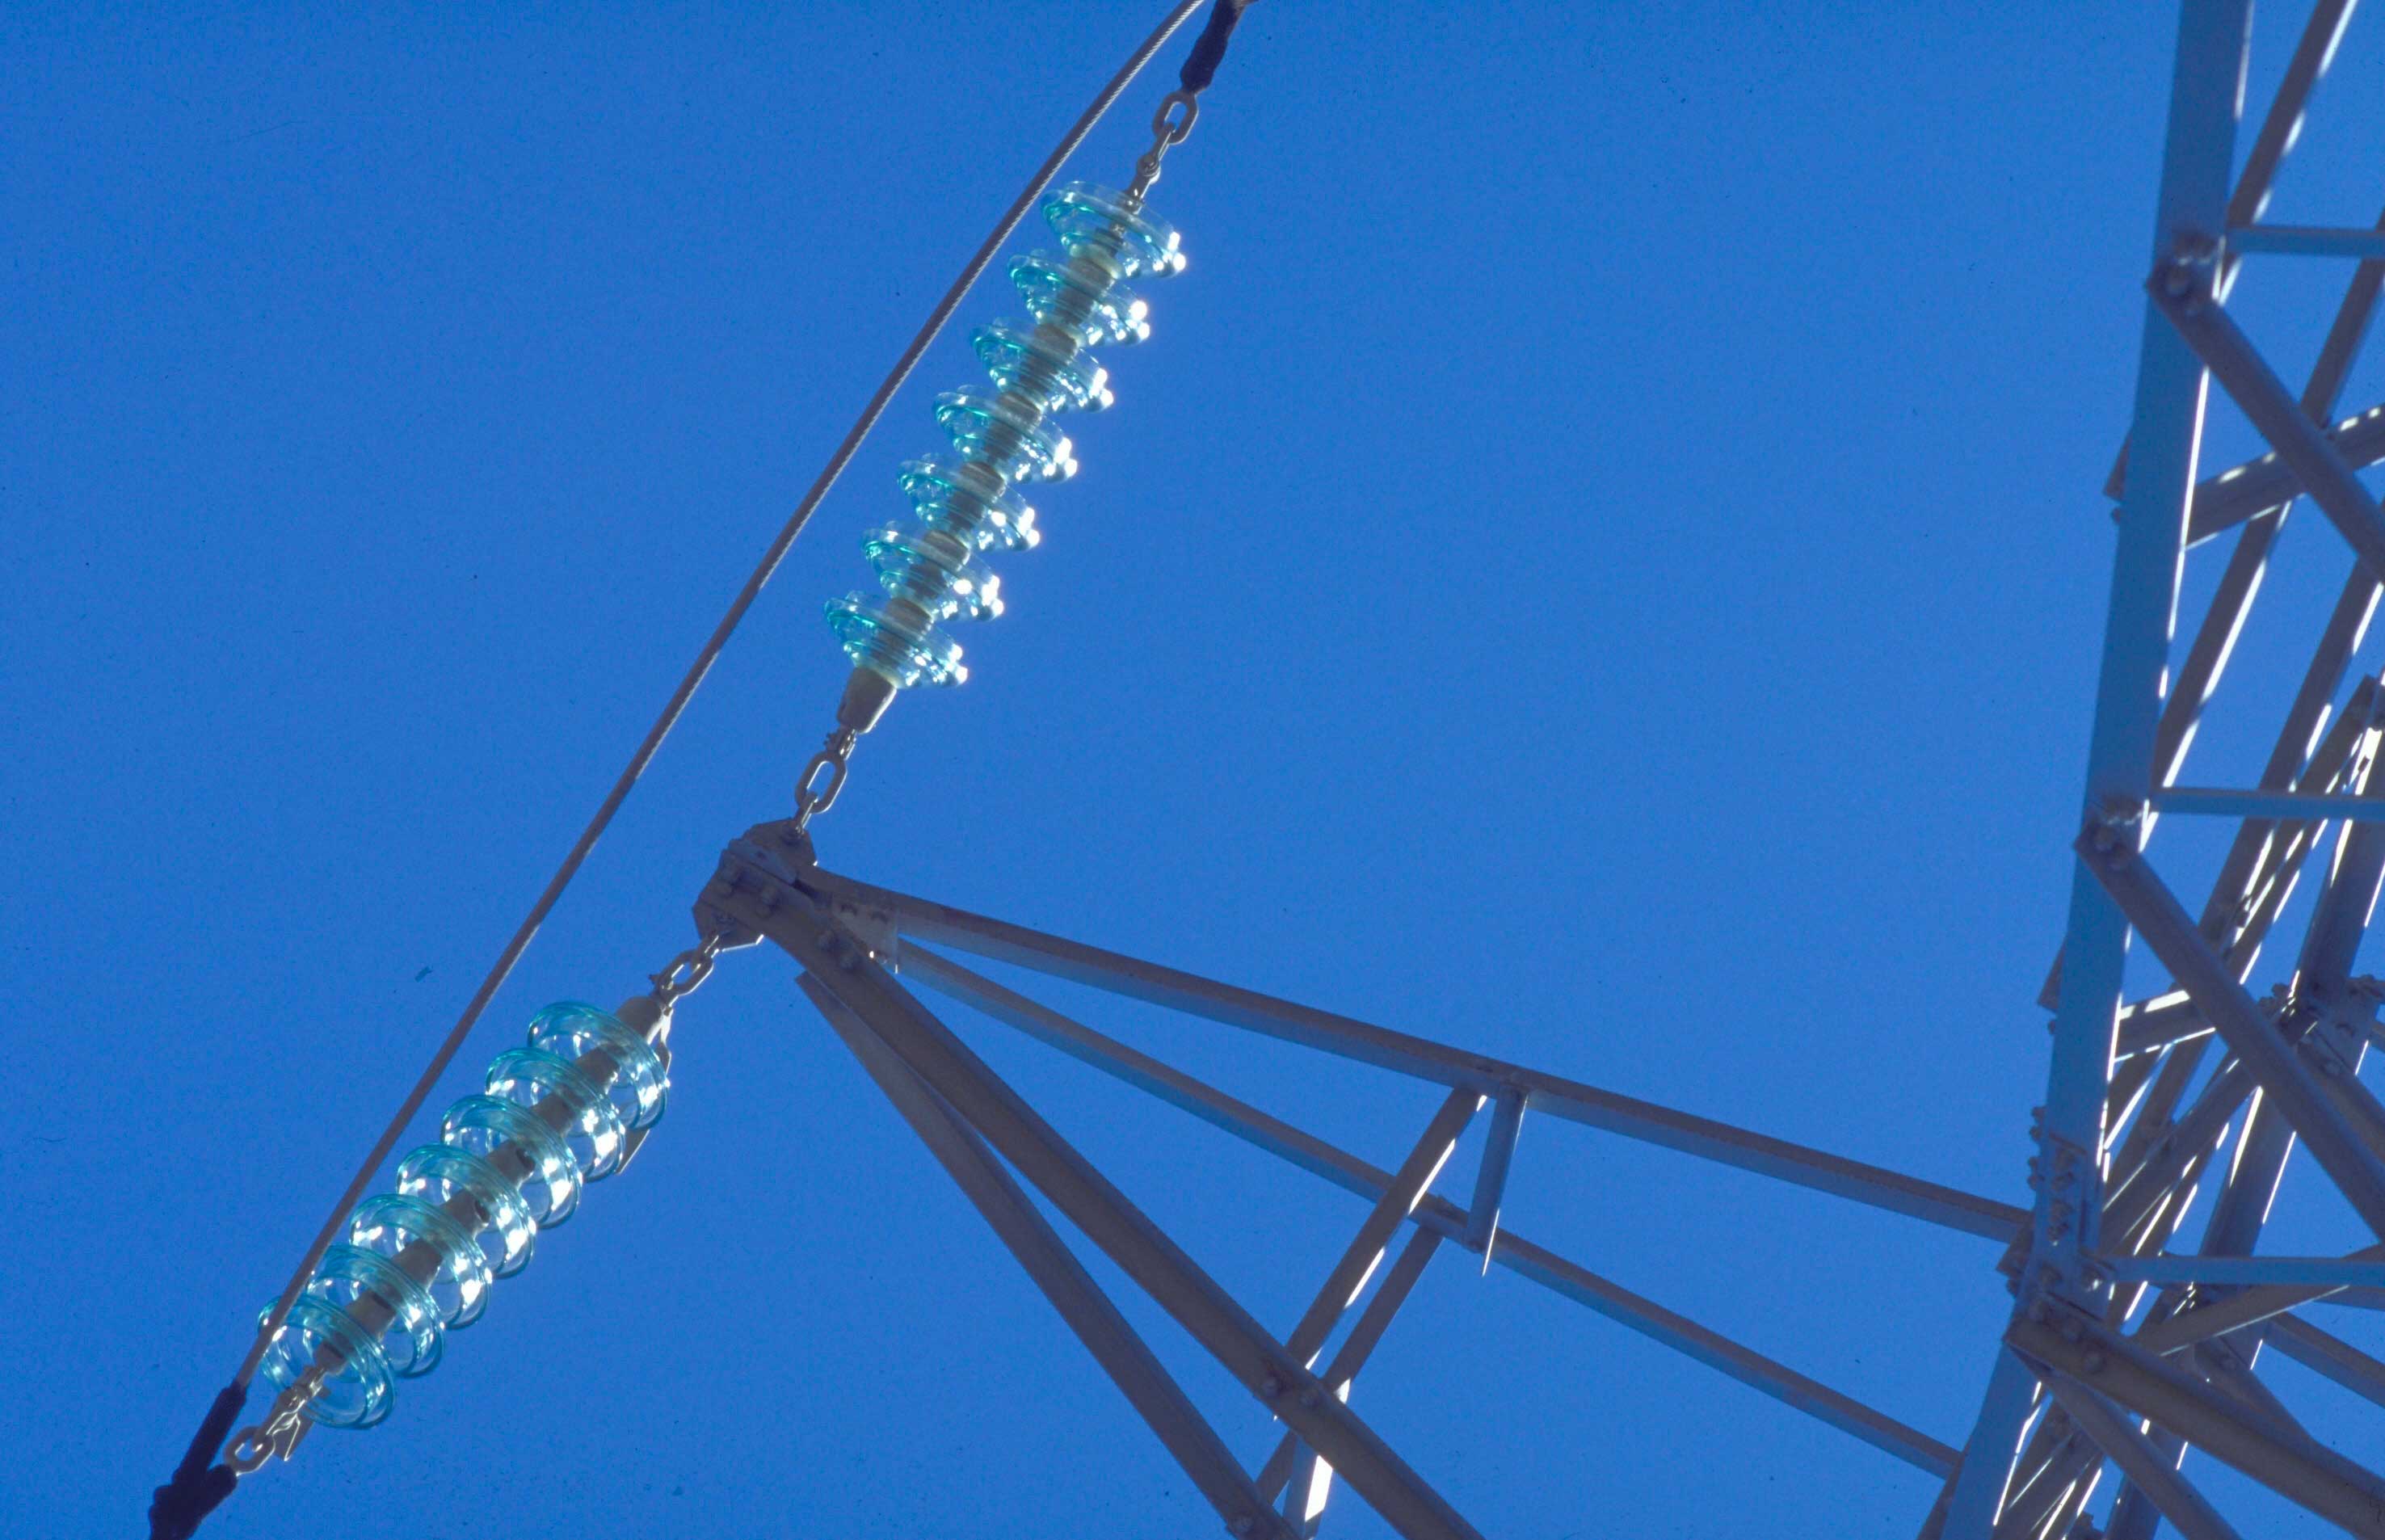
968 502
198 1486
568 1109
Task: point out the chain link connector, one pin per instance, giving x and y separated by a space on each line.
814 795
683 972
280 1432
1167 128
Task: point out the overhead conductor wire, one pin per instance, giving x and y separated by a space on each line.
768 565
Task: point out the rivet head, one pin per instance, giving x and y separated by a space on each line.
1270 1387
1243 1523
2092 1363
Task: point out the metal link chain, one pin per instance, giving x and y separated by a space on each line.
682 975
812 797
1166 129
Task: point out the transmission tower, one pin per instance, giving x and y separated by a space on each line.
2129 1343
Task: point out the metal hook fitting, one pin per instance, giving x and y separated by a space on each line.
280 1430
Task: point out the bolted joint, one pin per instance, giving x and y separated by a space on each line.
2108 842
2185 279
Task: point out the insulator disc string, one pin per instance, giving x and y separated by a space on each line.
762 573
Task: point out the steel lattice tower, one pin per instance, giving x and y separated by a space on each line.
2130 1341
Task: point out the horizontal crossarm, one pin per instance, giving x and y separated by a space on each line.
2222 1271
2246 1306
2225 802
1426 1060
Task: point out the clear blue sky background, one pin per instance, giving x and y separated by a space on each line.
1600 561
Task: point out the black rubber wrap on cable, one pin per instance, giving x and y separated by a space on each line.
1209 48
176 1508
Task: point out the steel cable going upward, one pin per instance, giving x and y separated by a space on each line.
197 1488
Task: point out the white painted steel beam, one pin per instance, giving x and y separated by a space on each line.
1365 1252
2301 1472
1491 1175
2262 483
2164 442
2245 1306
939 924
1359 1345
2281 1072
2325 1352
2150 1469
2366 245
1047 1260
2228 802
2327 478
2236 1272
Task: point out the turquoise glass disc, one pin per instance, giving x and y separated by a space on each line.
364 1285
391 1224
530 1076
484 1125
927 567
905 652
568 1029
951 496
1087 217
357 1396
1058 294
440 1173
994 429
1051 371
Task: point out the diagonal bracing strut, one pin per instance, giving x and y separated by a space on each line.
1512 1252
749 895
1022 1228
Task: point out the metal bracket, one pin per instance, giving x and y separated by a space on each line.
771 857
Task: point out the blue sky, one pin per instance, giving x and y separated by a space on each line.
1600 561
